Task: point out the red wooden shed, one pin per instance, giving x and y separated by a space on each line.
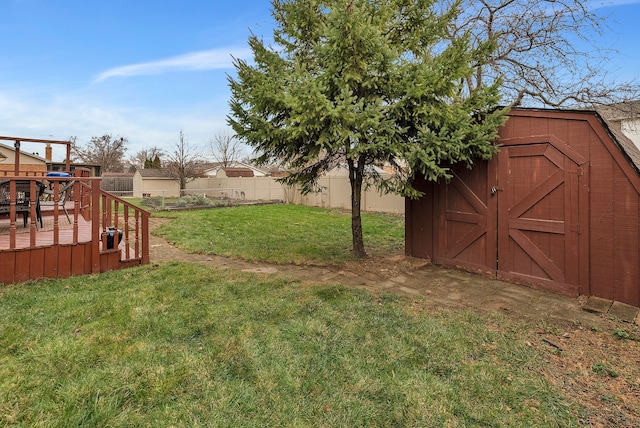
558 208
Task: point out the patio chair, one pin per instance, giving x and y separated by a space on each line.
22 204
64 195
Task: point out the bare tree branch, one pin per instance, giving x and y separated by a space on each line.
141 159
547 52
106 151
225 149
184 162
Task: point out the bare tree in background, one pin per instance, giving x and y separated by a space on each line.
184 162
141 158
547 51
225 149
106 151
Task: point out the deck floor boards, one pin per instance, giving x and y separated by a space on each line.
44 235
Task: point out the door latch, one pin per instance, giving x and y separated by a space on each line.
496 189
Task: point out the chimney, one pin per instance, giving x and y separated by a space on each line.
48 153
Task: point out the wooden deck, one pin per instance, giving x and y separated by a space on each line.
44 236
62 248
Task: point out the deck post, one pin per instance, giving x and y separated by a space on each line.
17 158
12 214
68 160
95 226
145 238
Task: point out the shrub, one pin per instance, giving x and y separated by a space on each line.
194 200
155 202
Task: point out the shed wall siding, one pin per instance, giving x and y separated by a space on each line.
614 212
601 236
608 236
419 226
614 234
625 229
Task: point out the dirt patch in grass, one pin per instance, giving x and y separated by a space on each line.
595 368
592 359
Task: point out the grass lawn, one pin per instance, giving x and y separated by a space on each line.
181 344
281 233
184 345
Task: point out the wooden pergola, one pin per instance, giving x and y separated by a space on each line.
17 142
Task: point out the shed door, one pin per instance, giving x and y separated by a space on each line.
519 216
467 226
540 214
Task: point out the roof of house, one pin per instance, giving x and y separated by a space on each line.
31 155
153 173
215 166
238 172
118 174
627 146
611 115
620 111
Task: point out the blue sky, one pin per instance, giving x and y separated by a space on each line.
145 69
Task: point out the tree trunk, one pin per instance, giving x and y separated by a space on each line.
183 185
356 175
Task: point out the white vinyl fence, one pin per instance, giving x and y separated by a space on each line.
336 193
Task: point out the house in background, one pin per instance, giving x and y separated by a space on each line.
94 170
150 182
623 117
235 173
33 162
28 162
234 169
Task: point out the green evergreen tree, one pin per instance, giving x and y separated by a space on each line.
363 83
148 164
156 162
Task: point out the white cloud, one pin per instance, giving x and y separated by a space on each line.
202 60
52 111
63 116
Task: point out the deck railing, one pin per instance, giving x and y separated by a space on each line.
91 215
36 173
19 195
118 216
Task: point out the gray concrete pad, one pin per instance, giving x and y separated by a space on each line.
624 312
597 305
